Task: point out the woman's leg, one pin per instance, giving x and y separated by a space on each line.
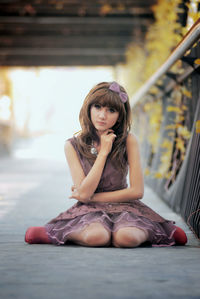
37 235
95 234
129 237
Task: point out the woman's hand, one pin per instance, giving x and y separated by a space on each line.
107 139
75 194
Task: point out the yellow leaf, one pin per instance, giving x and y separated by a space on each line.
178 126
197 61
147 106
195 44
105 9
170 127
174 109
183 131
187 93
198 126
168 175
195 16
154 90
187 52
184 107
166 144
180 144
158 175
165 158
159 82
180 119
146 171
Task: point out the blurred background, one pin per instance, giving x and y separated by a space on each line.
42 108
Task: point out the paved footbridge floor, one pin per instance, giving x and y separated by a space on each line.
33 191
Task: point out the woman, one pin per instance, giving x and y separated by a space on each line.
108 211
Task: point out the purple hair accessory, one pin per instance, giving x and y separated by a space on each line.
116 88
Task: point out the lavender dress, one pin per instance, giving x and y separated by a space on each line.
111 215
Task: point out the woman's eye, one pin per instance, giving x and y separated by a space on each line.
97 106
112 110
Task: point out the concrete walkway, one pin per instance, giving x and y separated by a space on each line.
34 191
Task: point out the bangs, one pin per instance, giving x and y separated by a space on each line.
108 100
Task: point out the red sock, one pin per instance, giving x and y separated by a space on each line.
37 235
180 236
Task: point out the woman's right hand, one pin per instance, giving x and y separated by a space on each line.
107 139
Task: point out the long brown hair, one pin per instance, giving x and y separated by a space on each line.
101 94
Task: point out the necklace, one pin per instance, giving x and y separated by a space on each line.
93 150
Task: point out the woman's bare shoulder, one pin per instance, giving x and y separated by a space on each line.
131 139
68 146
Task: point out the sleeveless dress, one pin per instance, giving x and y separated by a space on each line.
111 215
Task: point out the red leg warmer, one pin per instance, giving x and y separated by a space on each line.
180 236
37 235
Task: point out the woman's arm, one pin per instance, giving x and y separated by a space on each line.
136 189
85 186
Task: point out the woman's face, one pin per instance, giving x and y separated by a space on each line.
103 117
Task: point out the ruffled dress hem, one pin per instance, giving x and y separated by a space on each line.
159 234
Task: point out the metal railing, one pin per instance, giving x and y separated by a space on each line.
182 190
189 39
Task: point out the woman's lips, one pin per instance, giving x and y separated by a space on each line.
101 123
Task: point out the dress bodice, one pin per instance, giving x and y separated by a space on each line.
112 179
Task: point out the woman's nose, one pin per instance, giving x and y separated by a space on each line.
102 114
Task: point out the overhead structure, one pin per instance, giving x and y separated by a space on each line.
70 32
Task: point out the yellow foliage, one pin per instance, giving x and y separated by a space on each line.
154 90
174 109
183 131
105 9
167 144
141 62
186 92
193 13
178 125
187 52
147 106
120 7
195 16
197 61
194 45
162 36
168 174
133 75
198 126
171 127
158 175
177 96
180 118
184 107
155 117
180 144
165 159
146 171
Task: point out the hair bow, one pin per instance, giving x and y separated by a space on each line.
116 88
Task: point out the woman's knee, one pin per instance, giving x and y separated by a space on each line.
96 235
129 237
